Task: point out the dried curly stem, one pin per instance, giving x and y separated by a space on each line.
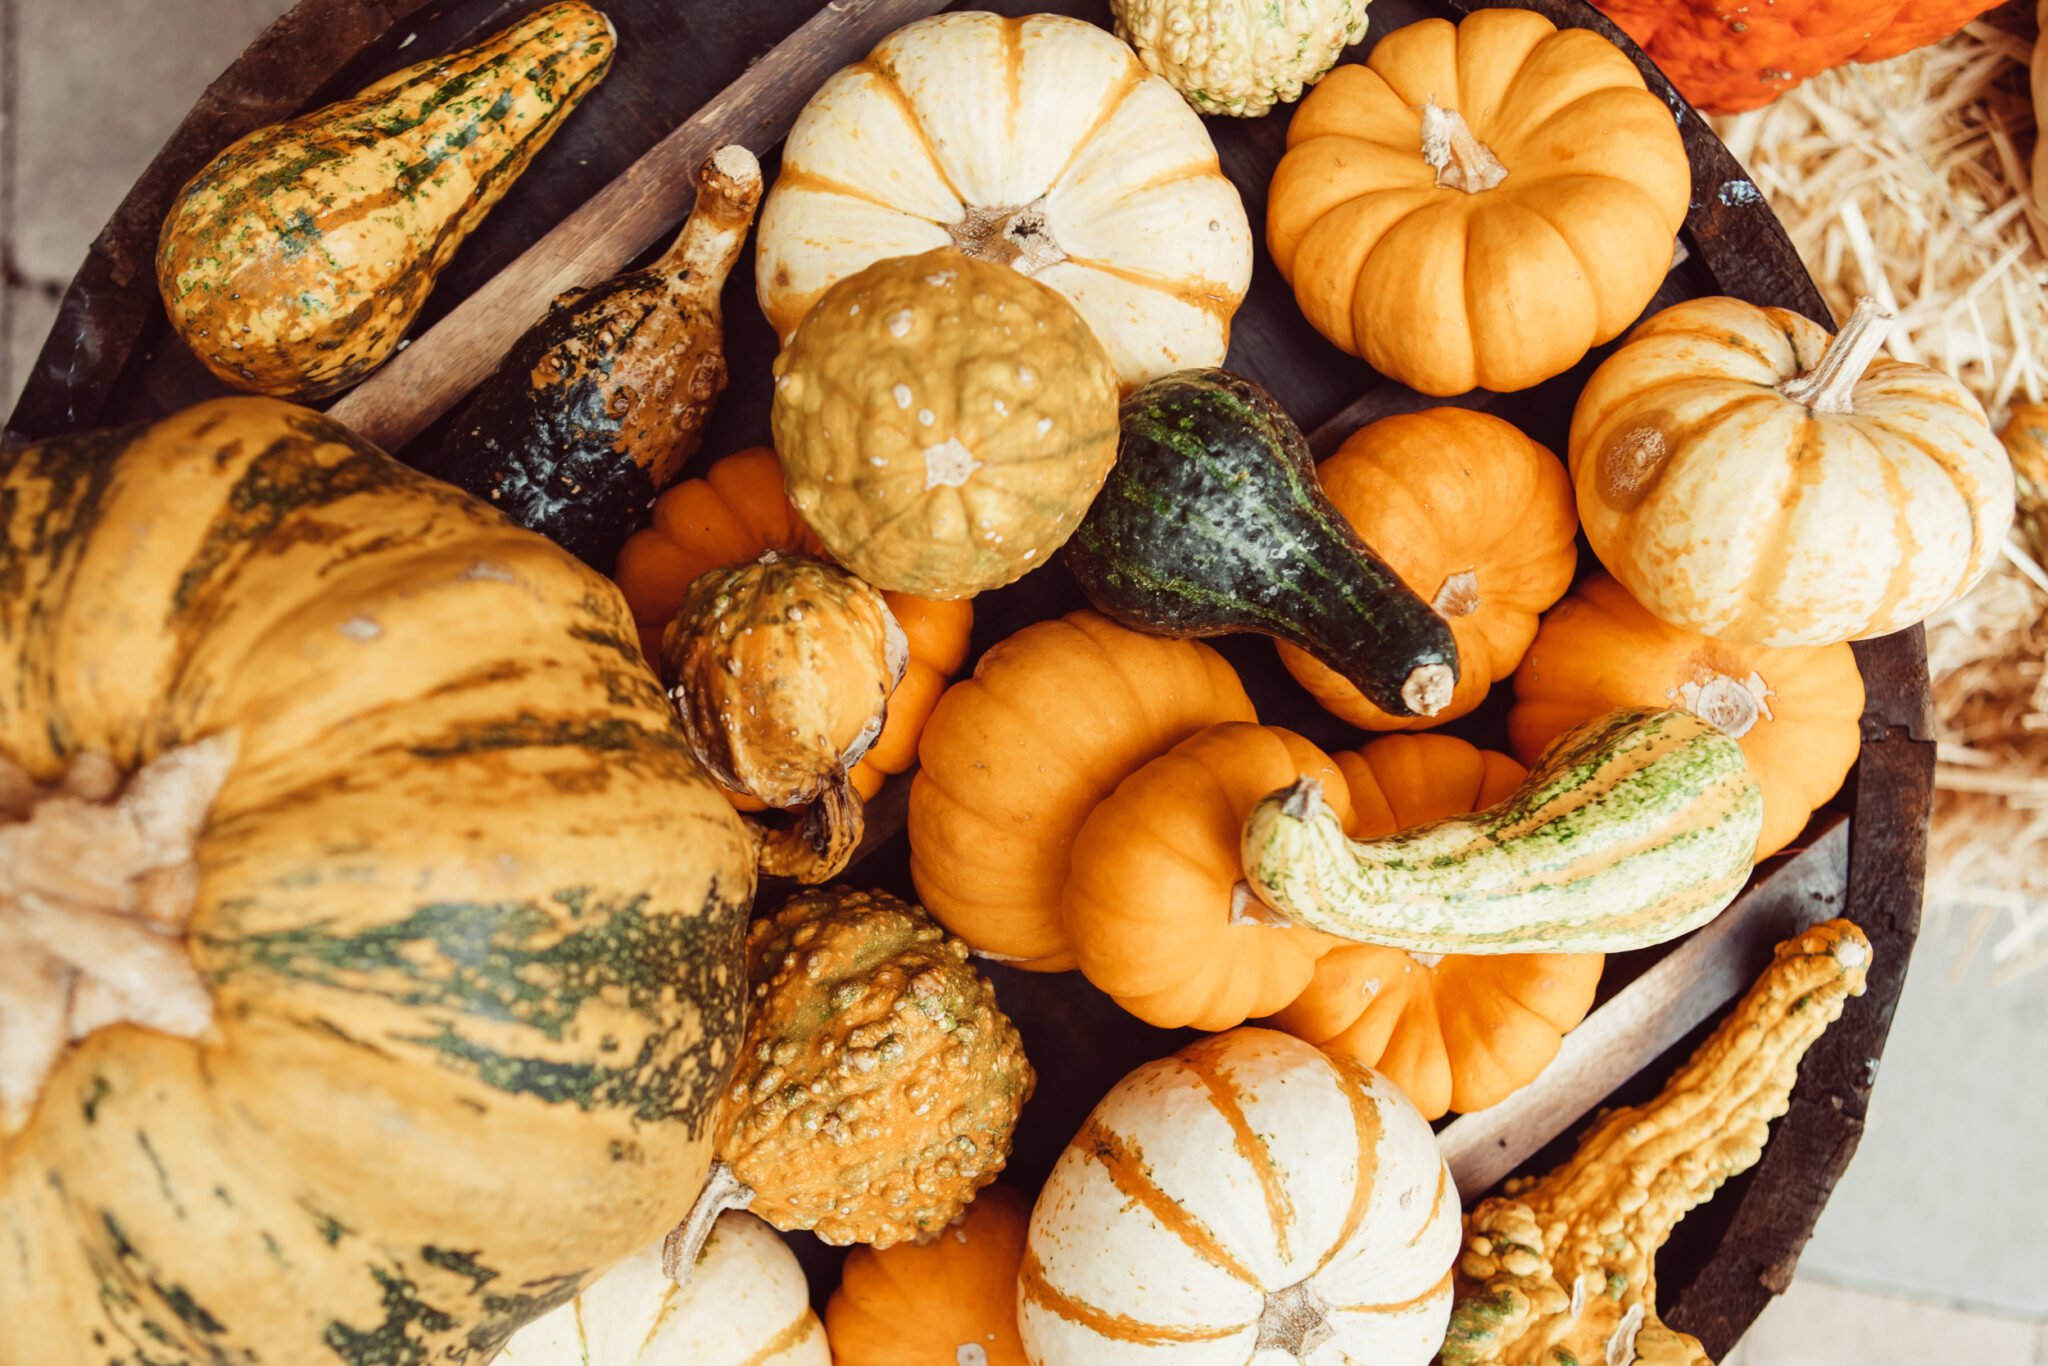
95 890
722 1191
821 843
1462 161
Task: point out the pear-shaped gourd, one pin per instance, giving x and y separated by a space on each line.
1212 522
593 412
293 264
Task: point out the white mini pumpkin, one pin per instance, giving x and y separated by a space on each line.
746 1304
1249 1201
1040 143
1232 57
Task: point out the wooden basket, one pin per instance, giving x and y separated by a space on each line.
738 70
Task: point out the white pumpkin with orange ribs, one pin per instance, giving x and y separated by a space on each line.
1248 1200
1041 143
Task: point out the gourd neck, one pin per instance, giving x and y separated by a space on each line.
97 882
1460 159
1018 236
705 251
684 1246
1830 386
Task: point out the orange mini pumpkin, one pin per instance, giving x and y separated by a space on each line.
1456 1031
1477 206
935 1303
1016 757
1161 916
728 517
1471 514
1796 711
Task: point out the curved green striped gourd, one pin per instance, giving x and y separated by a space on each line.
1212 522
293 264
1630 830
467 915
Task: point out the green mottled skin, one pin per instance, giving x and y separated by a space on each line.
469 913
1595 852
1212 522
293 263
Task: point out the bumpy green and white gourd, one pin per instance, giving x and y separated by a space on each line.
1630 830
746 1304
1238 57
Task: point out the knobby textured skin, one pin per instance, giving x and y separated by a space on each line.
1038 143
1154 900
1797 712
598 405
944 1302
942 423
1446 290
1726 56
1231 58
1472 514
1629 830
468 911
1457 1032
730 516
746 1304
879 1085
293 264
1249 1198
1016 757
1213 522
1563 1267
1731 509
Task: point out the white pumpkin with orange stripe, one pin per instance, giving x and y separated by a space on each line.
746 1304
1249 1201
1039 143
1750 478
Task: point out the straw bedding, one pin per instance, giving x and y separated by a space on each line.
1910 180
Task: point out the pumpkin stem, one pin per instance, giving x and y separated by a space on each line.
822 842
96 884
1461 160
1830 386
684 1245
1428 688
1017 236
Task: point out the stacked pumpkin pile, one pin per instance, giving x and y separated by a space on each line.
385 1055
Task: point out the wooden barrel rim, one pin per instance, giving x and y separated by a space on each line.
1760 1222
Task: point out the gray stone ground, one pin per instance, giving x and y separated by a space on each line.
1932 1249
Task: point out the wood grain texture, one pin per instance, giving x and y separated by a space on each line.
1654 1013
112 358
628 216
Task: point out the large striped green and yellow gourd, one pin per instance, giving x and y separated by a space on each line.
293 264
1629 830
374 943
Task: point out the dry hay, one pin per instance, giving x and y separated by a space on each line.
1908 180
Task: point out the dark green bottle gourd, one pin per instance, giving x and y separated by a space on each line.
1212 523
594 410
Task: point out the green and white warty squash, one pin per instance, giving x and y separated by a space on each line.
1239 57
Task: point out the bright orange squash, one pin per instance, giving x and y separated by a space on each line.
1727 58
1156 901
728 517
1018 755
1472 515
1457 1031
1796 711
936 1303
